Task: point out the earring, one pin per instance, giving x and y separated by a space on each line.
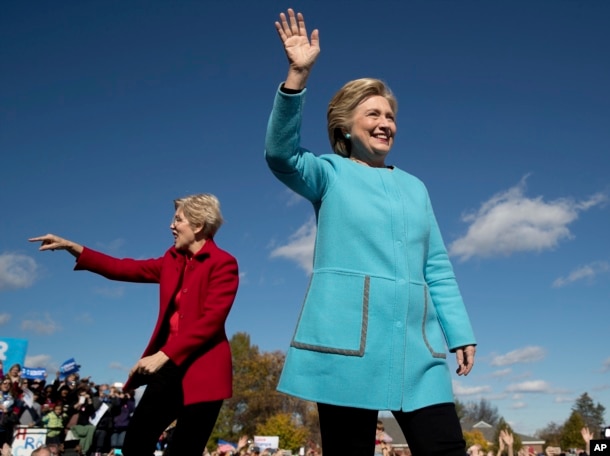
347 136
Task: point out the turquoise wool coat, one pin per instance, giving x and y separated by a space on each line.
382 305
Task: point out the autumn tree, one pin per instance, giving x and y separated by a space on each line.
292 434
592 415
476 437
255 398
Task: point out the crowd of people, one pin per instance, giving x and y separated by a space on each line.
95 418
70 408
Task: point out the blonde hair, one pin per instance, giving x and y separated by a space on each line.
341 108
203 210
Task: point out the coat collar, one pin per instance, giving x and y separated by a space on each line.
205 251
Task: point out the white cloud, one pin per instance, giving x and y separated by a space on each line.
45 361
511 222
563 400
501 372
40 325
118 366
518 405
606 365
534 386
4 318
587 272
300 246
112 292
293 198
113 247
460 390
84 317
521 355
16 271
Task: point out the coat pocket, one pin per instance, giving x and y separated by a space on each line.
431 327
334 317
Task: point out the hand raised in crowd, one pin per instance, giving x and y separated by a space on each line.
587 436
242 442
508 439
500 445
53 242
149 364
301 51
465 359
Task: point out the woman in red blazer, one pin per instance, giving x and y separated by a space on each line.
187 363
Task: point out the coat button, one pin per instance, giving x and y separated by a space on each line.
185 290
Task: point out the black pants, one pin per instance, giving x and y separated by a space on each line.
162 403
433 430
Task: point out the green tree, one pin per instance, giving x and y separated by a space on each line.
481 411
292 434
504 426
592 415
571 436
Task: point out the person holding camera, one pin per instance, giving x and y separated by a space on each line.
382 301
186 366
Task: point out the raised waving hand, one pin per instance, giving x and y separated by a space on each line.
301 50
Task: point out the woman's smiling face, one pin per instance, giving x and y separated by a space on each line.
372 131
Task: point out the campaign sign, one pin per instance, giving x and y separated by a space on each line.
68 367
266 441
12 351
27 440
600 447
34 373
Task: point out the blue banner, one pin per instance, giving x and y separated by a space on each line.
12 351
34 373
68 367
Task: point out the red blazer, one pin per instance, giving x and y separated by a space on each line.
209 287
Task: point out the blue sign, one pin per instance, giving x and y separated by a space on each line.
12 351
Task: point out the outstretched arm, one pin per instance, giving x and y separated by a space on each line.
301 51
52 242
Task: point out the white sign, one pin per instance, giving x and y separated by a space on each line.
267 441
27 440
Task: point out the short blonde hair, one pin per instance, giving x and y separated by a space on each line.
202 209
341 109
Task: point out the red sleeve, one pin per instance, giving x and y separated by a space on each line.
123 269
218 299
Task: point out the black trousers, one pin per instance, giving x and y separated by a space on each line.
430 431
162 403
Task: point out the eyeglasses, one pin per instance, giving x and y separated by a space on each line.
6 382
177 220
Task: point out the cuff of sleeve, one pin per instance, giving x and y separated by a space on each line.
289 91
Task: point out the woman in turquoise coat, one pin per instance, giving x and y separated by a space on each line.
383 306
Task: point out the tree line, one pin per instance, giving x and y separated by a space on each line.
585 413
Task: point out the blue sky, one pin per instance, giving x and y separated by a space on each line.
110 110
